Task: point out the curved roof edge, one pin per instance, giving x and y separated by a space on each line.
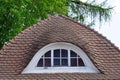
59 15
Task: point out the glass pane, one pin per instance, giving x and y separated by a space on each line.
64 62
40 63
56 62
64 53
48 54
47 62
80 62
74 62
72 54
57 53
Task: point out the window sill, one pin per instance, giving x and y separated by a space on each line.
60 70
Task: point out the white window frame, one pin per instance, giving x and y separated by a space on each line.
88 68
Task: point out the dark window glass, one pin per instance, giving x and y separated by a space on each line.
47 62
64 53
57 53
73 61
60 58
40 63
64 62
80 62
48 54
56 62
72 54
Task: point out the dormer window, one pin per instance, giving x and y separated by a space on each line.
60 57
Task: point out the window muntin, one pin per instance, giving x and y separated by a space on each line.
60 58
45 60
75 59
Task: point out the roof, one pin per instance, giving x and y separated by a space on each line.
18 52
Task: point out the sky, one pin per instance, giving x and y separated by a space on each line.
111 30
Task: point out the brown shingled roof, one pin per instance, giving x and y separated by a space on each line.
18 52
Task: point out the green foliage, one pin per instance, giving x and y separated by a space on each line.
16 15
83 11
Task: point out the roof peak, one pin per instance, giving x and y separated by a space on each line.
56 15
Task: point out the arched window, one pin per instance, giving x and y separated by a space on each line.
60 57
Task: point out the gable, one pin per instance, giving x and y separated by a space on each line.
16 55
